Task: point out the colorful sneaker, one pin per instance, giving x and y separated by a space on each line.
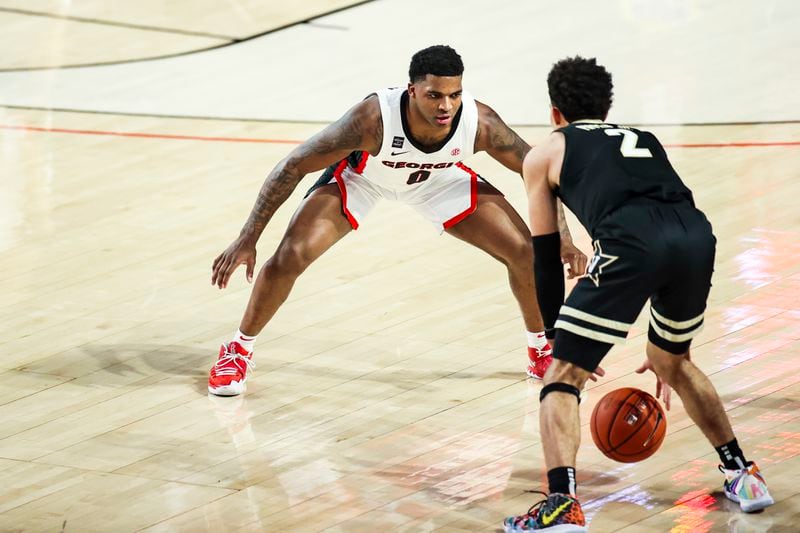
229 373
559 513
747 487
539 361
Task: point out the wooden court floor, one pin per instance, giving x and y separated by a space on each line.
390 392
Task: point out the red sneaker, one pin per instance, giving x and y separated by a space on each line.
229 373
539 361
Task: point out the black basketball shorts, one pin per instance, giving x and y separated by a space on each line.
661 252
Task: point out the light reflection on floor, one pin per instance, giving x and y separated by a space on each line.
767 254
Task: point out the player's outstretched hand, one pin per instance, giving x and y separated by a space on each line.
663 390
240 252
573 257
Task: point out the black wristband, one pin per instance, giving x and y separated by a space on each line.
549 274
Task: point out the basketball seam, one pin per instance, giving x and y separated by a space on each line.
659 421
655 428
634 434
612 448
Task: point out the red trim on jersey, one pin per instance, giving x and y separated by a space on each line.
360 168
343 189
473 202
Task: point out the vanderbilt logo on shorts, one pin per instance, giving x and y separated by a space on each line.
598 263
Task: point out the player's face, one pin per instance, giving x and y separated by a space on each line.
438 98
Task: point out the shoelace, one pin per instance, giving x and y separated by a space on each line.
534 509
740 470
543 352
221 369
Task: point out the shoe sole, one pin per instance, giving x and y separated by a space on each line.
532 375
234 389
751 506
563 528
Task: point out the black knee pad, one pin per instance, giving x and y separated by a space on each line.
560 387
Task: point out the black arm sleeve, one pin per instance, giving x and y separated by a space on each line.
549 274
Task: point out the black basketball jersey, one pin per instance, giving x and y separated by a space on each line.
607 166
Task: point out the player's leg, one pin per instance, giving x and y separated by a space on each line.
559 428
559 421
497 229
572 366
699 397
598 313
676 316
743 481
316 226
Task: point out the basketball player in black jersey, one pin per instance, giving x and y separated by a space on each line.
650 242
404 144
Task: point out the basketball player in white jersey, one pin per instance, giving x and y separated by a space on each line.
404 144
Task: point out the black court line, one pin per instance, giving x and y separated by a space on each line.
116 23
324 122
195 51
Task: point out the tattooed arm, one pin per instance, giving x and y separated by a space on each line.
361 128
498 140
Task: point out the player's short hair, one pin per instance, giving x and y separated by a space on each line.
580 88
439 60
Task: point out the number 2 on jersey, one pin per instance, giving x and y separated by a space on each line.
628 146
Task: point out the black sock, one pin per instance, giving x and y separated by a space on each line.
731 456
562 480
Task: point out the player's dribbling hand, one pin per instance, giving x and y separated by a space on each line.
598 373
238 253
663 390
572 256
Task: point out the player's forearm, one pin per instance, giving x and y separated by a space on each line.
563 229
276 189
549 276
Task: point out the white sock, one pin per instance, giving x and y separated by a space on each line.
536 340
245 341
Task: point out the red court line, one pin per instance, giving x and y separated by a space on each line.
150 135
289 141
732 145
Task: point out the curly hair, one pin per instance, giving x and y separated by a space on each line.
580 88
439 60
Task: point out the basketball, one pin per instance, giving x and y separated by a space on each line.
628 425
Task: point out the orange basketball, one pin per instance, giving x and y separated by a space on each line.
628 425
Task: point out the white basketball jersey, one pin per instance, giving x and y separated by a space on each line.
401 164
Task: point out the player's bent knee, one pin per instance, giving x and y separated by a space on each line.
671 368
289 260
525 250
561 371
665 361
519 253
